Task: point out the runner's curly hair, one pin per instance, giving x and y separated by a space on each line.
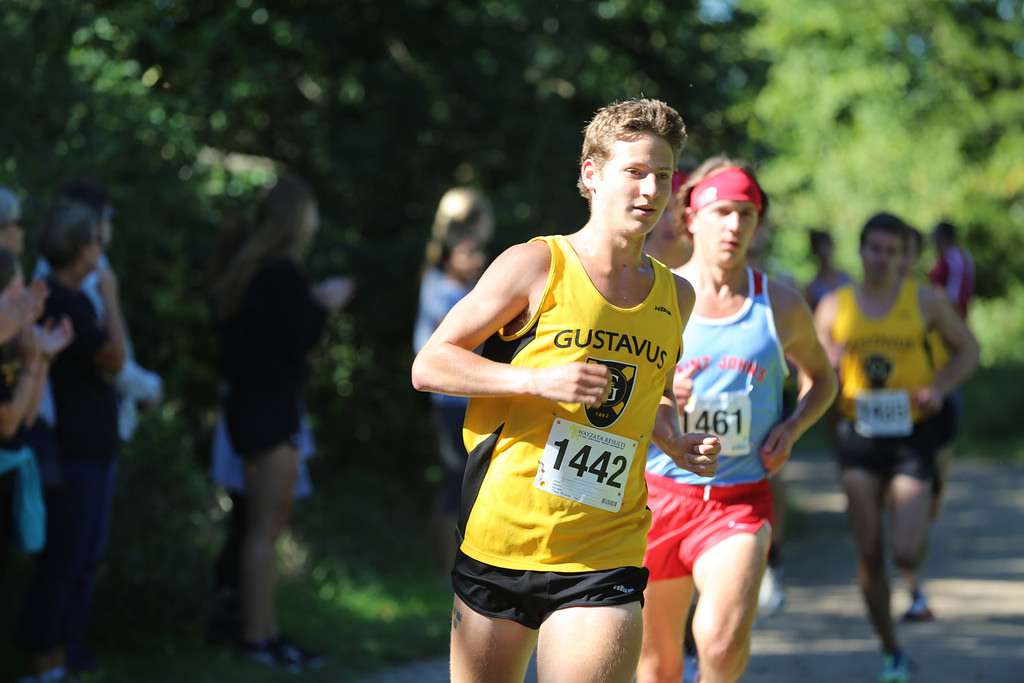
626 121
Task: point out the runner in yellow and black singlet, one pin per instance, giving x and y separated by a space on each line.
582 336
890 398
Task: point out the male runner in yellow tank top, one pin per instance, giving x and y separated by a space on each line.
889 402
582 335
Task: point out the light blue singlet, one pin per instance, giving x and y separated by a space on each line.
737 390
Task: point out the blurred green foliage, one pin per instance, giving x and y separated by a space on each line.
909 107
186 109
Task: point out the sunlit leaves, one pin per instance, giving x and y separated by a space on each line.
909 107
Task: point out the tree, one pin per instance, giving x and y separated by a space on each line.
185 109
909 107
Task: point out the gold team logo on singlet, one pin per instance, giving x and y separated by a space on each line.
623 376
877 368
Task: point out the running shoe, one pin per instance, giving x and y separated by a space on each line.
280 653
895 668
772 595
306 658
919 610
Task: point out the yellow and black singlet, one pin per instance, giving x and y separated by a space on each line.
560 486
884 360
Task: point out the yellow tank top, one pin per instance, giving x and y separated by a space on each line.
557 486
881 353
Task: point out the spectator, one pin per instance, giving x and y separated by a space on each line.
136 387
269 318
828 277
59 600
228 471
954 268
453 262
24 364
12 226
461 209
28 303
38 433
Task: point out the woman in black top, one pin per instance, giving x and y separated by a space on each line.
269 317
58 604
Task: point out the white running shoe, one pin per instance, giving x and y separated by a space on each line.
772 595
919 609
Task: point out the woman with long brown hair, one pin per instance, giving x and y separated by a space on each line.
269 317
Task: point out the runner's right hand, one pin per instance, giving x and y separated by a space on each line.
586 383
696 452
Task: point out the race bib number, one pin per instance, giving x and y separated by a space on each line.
883 412
726 415
586 465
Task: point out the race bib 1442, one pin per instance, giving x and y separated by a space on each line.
586 465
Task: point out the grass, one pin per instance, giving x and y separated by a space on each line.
993 427
355 582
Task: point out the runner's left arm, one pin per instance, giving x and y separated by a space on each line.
940 314
818 386
697 452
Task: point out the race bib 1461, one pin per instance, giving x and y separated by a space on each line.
726 415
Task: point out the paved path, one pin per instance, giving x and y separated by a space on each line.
974 578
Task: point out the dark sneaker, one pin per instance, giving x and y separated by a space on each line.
280 653
266 651
306 658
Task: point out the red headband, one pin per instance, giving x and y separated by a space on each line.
729 185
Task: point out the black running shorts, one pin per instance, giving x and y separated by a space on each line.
529 597
912 455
